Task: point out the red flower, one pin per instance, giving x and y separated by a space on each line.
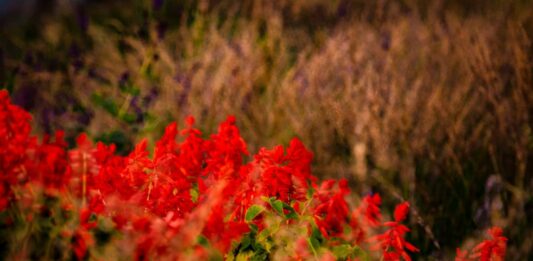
120 221
191 188
16 145
226 146
370 209
285 176
84 166
52 166
170 182
392 243
145 245
492 249
126 176
88 214
401 211
81 241
461 255
192 151
137 164
332 212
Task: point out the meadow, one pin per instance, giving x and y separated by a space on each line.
426 103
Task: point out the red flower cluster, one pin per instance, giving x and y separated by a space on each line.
23 159
193 195
15 141
195 181
392 243
332 210
492 249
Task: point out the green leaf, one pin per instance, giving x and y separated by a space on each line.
310 192
106 103
202 240
130 89
292 213
277 205
246 242
194 193
363 255
253 212
243 256
253 228
313 245
128 117
263 236
259 256
315 241
342 251
93 217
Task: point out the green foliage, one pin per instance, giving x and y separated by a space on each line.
253 212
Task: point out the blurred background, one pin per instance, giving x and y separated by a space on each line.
427 101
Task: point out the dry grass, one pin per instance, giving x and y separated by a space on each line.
436 104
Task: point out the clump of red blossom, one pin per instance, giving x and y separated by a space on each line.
492 249
194 198
392 243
